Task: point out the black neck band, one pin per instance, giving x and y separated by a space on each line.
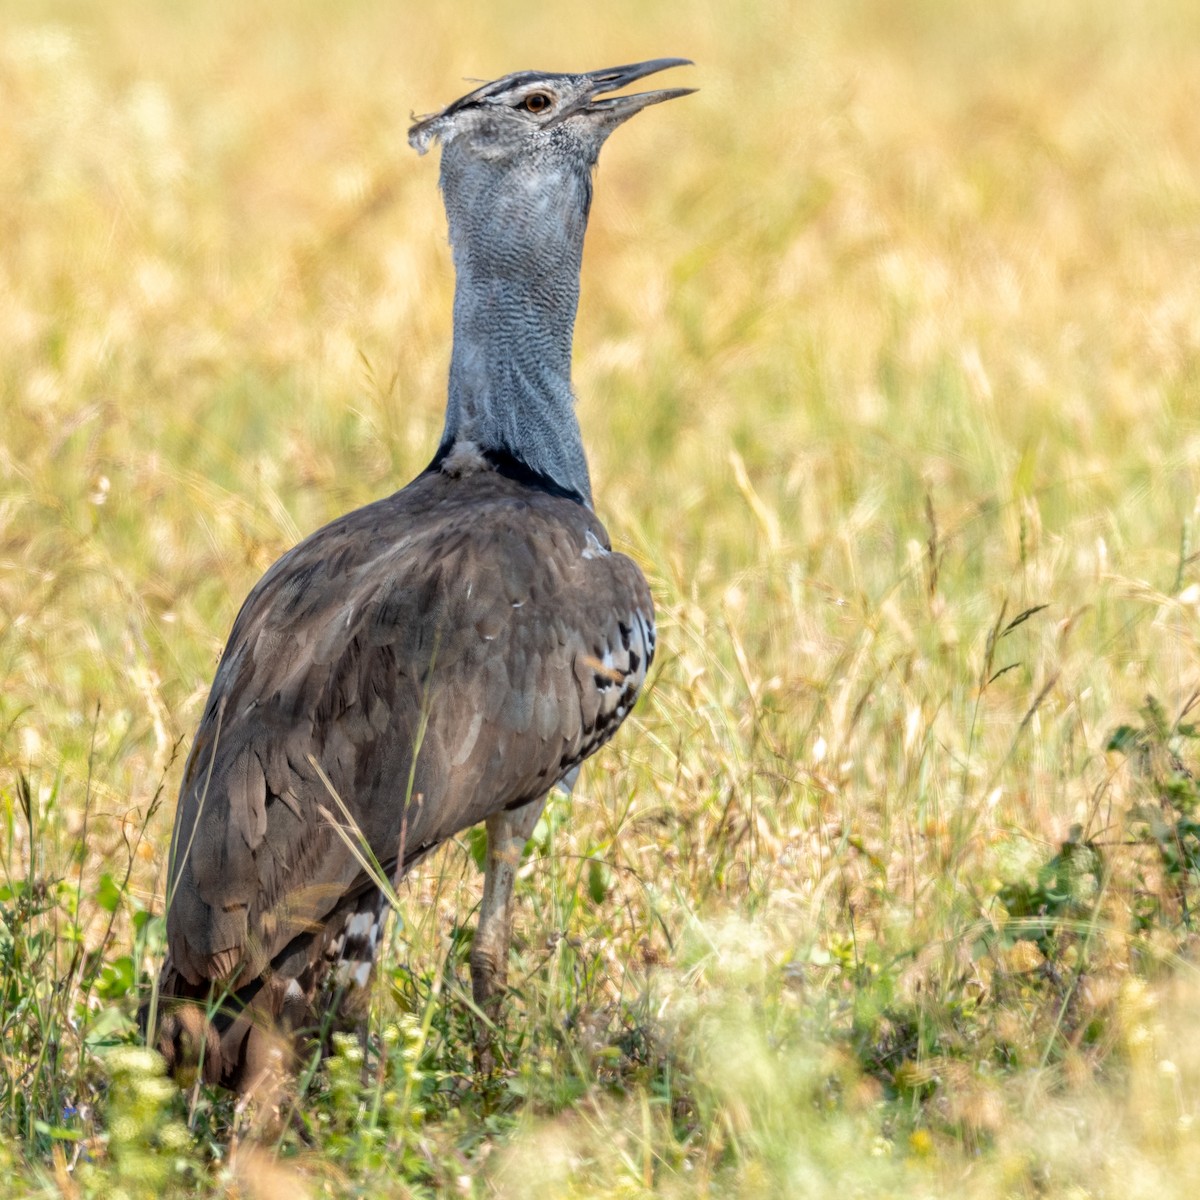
506 463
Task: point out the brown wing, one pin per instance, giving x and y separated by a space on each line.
449 652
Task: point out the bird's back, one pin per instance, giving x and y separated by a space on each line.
441 655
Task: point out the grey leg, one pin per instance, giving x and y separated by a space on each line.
507 834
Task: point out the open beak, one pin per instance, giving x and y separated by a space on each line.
615 109
606 111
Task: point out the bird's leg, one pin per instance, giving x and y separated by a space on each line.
507 833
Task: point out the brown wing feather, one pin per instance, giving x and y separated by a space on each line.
496 610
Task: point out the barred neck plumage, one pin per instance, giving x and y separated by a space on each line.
517 231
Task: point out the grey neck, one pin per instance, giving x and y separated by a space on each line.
517 234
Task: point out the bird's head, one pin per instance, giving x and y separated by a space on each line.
533 113
517 159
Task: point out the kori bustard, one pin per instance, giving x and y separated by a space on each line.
442 657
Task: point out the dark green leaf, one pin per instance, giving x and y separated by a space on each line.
599 879
477 845
1123 739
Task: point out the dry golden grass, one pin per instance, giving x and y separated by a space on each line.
888 336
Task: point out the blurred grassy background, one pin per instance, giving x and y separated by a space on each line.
888 335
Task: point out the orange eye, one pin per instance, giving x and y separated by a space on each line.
536 102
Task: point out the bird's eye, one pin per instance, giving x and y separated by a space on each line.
536 102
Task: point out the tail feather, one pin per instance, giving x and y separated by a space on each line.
352 951
244 1037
